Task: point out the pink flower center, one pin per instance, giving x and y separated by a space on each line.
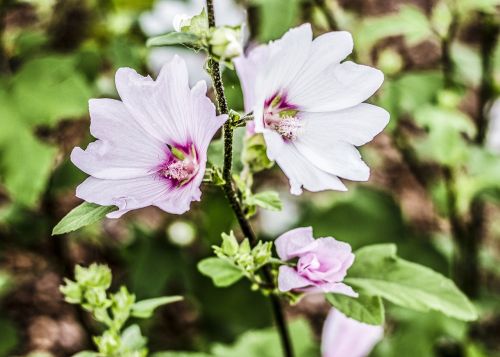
182 165
308 262
282 117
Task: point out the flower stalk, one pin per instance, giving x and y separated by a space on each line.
232 194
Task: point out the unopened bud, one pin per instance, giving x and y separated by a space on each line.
226 42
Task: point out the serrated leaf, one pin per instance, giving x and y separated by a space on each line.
268 199
145 308
222 272
80 216
364 308
172 38
378 271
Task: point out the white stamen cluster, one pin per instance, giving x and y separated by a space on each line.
288 127
179 171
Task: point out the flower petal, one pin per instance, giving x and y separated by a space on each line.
125 194
286 58
125 151
335 87
140 192
343 336
288 243
247 67
326 50
336 288
302 173
289 279
161 107
356 125
204 123
334 157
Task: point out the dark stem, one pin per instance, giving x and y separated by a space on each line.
231 192
332 23
488 40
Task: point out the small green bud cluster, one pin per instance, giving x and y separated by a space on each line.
223 43
111 309
242 255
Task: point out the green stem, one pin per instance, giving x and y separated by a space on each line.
231 192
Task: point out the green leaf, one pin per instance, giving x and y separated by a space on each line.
365 308
145 308
272 26
268 199
222 272
49 89
173 38
409 22
445 143
378 271
80 216
132 339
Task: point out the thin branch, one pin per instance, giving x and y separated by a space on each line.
231 192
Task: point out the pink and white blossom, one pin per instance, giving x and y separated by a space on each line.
321 263
309 106
346 337
152 145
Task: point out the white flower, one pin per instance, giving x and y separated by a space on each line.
152 145
309 107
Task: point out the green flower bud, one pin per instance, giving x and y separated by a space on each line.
71 291
108 343
262 253
226 42
229 244
96 275
95 298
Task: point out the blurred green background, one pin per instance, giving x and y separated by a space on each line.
434 188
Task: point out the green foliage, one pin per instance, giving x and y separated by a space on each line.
49 89
43 92
10 337
173 38
254 154
84 214
445 142
267 199
144 309
378 271
272 26
89 289
364 308
409 22
265 343
222 272
235 261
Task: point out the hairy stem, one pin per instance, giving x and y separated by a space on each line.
231 192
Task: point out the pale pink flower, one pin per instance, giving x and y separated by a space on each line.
309 107
346 337
152 147
321 266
